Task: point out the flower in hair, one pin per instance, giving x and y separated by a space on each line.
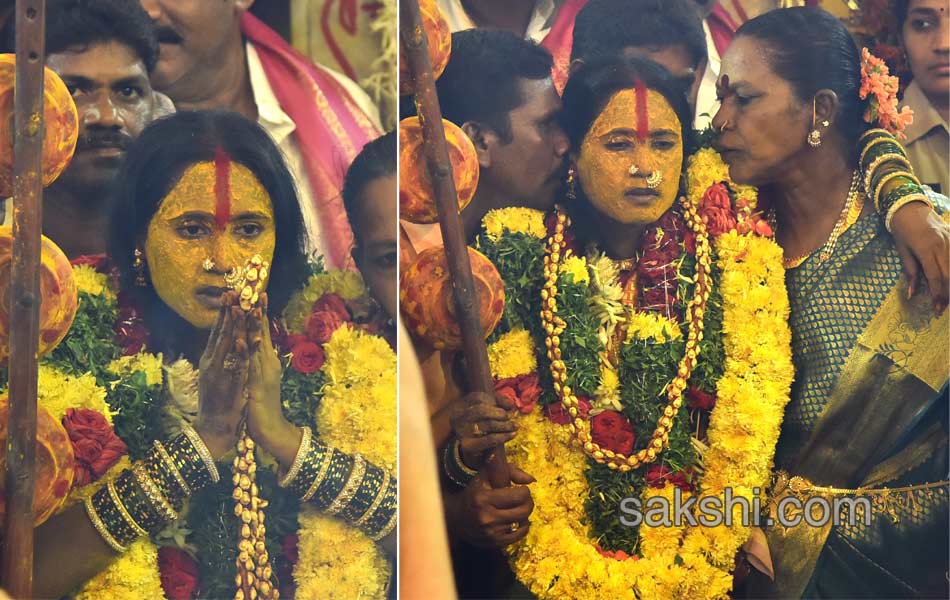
880 89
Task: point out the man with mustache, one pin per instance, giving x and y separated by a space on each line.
104 52
216 55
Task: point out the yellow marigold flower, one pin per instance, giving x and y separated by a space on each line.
512 355
607 394
58 392
576 266
652 326
150 364
347 284
515 220
92 282
132 576
337 561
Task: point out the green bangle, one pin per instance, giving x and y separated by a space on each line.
896 162
137 502
383 514
366 494
120 530
894 196
879 201
312 471
335 480
101 527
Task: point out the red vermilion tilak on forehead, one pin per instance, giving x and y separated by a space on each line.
643 118
222 188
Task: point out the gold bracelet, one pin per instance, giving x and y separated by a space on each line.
124 511
202 451
457 455
153 493
101 527
387 529
322 471
380 495
352 484
171 467
869 173
903 201
299 458
875 142
887 178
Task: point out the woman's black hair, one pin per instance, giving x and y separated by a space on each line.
377 159
588 91
812 50
153 165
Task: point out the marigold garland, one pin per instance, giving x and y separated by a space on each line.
558 558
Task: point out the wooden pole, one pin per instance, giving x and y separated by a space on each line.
446 197
16 565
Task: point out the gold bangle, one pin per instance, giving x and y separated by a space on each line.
299 458
876 130
883 139
869 173
153 493
124 511
457 455
380 495
876 194
101 527
387 529
352 484
202 451
322 471
167 459
904 200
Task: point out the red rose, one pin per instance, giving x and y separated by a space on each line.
659 475
179 573
521 392
698 399
716 210
612 431
95 444
332 303
557 414
321 325
307 357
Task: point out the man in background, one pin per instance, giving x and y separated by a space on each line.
104 51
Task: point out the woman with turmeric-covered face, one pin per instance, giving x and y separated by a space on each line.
207 240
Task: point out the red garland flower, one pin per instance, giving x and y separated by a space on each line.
99 262
716 210
179 573
612 431
130 331
327 315
698 399
616 554
96 446
307 357
659 475
555 411
522 392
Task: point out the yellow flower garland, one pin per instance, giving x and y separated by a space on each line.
514 219
357 414
512 354
557 558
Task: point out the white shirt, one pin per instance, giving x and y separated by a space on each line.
542 17
281 127
706 103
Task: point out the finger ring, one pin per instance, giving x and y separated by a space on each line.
476 430
230 363
514 527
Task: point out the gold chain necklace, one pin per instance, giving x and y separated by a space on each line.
850 212
554 326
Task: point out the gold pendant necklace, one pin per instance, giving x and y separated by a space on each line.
850 212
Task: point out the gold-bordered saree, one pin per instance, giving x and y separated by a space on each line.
868 409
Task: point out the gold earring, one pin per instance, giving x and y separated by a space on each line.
207 265
138 265
571 188
634 169
814 137
654 179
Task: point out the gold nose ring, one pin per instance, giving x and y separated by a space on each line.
207 265
654 180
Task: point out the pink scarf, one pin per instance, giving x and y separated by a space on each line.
330 129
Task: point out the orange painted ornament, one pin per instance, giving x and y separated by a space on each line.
61 124
439 37
428 303
416 193
58 293
54 463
